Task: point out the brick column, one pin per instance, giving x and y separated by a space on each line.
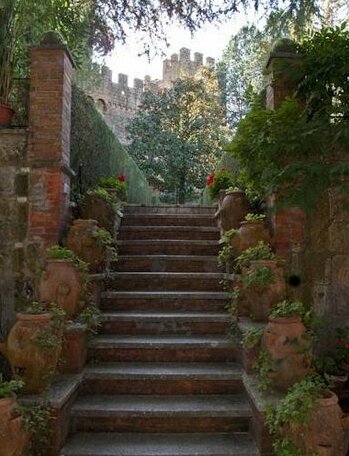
49 139
288 224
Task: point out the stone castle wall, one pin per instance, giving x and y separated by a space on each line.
118 102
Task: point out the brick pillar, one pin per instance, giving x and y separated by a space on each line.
288 224
49 139
282 73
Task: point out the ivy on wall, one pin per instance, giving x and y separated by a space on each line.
95 152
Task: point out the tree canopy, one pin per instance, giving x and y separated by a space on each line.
178 135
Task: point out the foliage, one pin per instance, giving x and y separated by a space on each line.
107 240
36 419
240 71
254 217
56 252
9 389
258 277
113 182
311 160
91 316
295 408
288 309
232 190
228 235
178 134
252 337
34 308
110 198
225 254
328 364
232 306
96 153
219 180
263 367
260 251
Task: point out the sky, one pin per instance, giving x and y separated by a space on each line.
210 41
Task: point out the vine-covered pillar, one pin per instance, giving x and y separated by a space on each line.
49 139
288 223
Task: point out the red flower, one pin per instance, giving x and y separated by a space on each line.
211 178
121 177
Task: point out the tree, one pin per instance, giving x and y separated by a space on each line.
178 134
240 70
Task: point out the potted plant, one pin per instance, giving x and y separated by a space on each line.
7 40
219 181
289 344
64 280
12 434
233 209
264 286
309 421
92 244
261 251
115 185
252 230
103 206
34 345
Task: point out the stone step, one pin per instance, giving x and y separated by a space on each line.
153 414
144 219
166 281
171 348
135 444
162 378
169 232
170 209
168 247
164 323
162 300
166 263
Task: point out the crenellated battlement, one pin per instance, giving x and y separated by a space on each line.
118 102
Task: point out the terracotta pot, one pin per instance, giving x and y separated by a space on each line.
61 283
13 437
262 298
30 359
74 353
6 114
325 432
232 210
336 381
97 208
289 346
248 235
88 248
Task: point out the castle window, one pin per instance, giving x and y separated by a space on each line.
101 106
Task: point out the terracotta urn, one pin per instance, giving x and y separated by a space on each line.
13 437
232 210
33 349
61 283
87 247
325 432
97 208
249 234
290 348
262 298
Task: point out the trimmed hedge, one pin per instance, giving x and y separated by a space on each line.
95 152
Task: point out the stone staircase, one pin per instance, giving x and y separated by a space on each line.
163 377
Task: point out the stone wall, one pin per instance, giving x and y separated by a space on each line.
118 102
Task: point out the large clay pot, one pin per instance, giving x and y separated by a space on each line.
325 432
30 358
61 283
87 247
248 235
13 437
262 298
232 210
97 208
290 349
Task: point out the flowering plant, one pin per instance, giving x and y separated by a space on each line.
219 180
113 182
